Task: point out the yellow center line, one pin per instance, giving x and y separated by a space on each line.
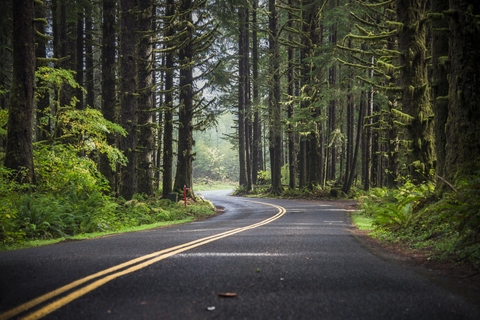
160 255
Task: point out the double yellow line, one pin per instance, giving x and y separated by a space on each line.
115 272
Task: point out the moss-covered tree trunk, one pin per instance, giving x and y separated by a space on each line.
145 96
439 79
257 141
463 134
108 103
274 101
168 104
291 132
304 51
414 82
183 175
128 107
248 100
393 143
368 143
19 149
241 97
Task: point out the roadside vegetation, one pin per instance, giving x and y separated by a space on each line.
71 199
415 216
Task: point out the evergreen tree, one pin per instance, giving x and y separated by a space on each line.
128 108
462 127
145 96
108 103
411 16
274 101
19 148
169 31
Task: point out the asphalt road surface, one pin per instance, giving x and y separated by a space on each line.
281 259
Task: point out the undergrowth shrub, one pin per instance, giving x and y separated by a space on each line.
449 227
59 167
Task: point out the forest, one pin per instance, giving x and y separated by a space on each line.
107 107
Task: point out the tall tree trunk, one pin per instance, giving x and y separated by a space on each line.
257 141
128 108
19 149
108 82
291 133
145 97
183 175
43 101
69 19
248 100
349 179
349 165
440 85
392 135
368 143
332 119
275 105
463 134
89 80
79 55
303 169
375 142
168 105
159 119
241 97
414 82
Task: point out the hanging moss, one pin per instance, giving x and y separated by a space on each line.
405 118
435 16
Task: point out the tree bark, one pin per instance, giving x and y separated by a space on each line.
414 82
145 97
128 107
89 80
43 101
440 85
275 105
168 105
291 132
108 103
19 149
183 175
248 100
79 56
349 179
463 134
257 141
241 98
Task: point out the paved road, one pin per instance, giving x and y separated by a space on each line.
283 259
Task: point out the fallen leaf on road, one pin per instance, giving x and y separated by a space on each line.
210 308
227 294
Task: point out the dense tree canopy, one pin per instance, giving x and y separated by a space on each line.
322 92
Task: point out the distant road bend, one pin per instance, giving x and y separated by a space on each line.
276 259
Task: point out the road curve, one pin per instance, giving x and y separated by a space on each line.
283 259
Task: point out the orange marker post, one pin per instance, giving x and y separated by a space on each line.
185 194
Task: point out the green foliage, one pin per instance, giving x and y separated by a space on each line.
82 130
285 174
91 126
264 177
448 227
57 167
3 122
77 211
392 209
